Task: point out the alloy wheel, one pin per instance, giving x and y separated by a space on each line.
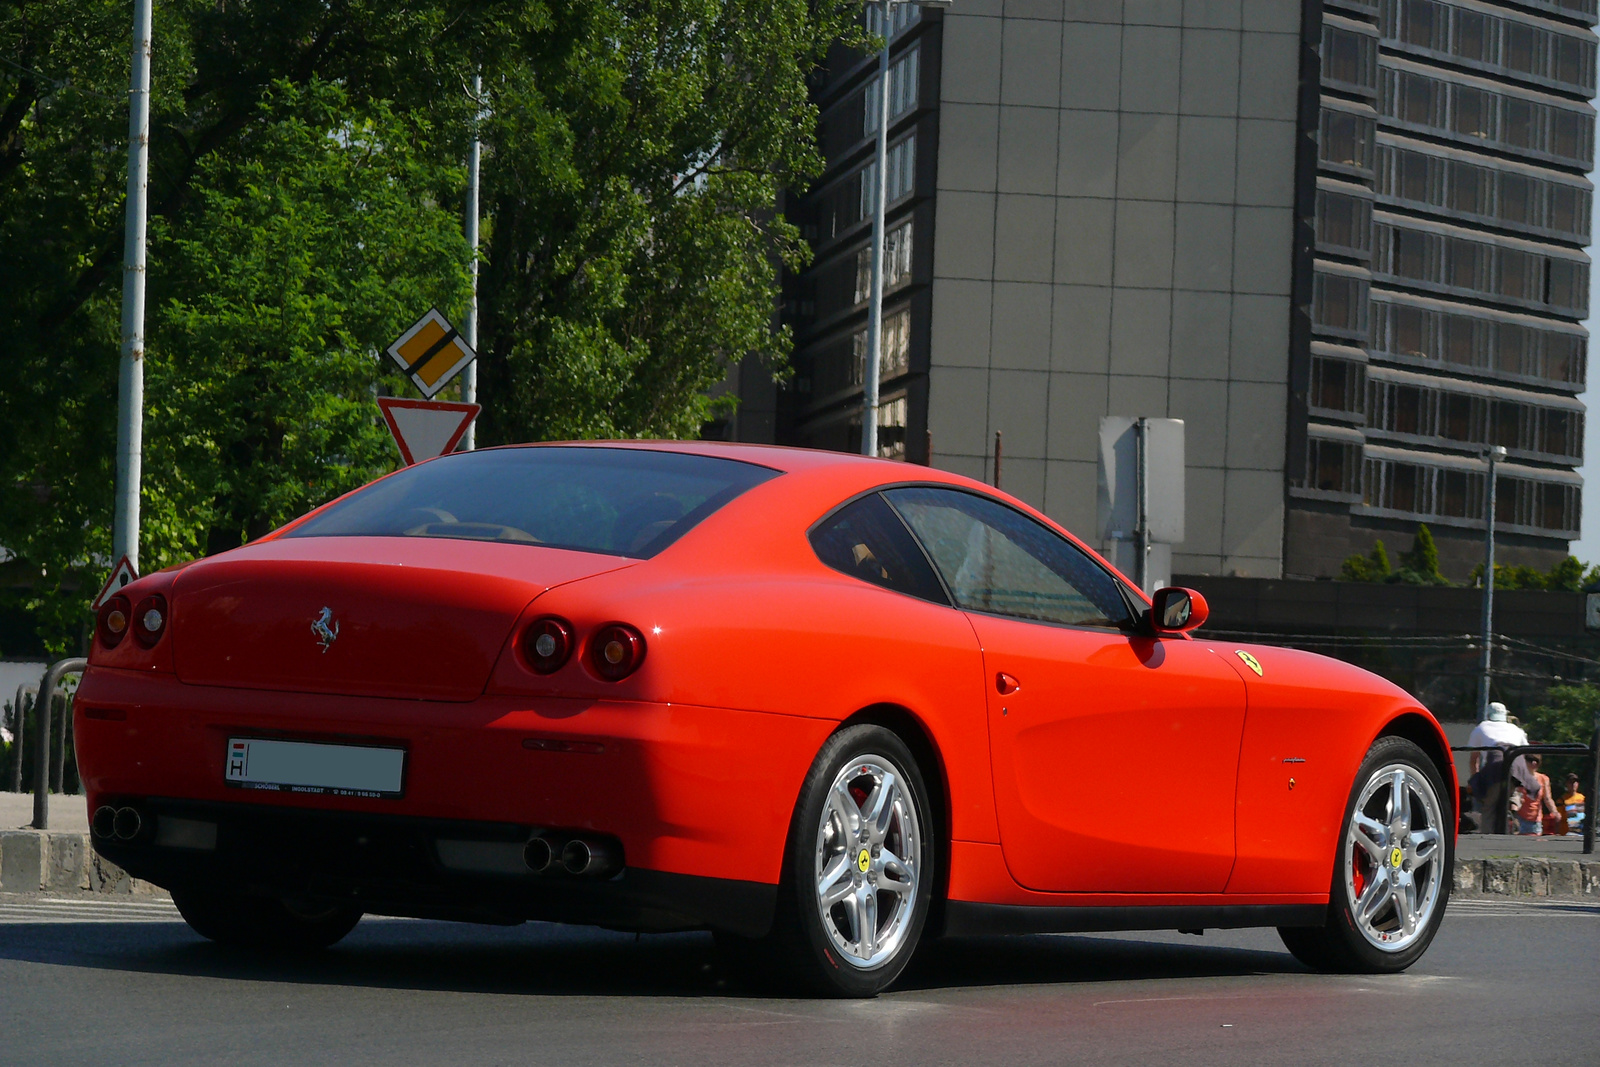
1394 846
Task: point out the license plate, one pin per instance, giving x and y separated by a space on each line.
314 767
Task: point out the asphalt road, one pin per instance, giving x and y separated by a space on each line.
85 981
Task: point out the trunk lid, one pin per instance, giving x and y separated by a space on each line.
417 617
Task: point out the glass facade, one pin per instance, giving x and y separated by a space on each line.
1449 279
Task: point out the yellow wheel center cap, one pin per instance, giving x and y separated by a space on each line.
1396 857
864 861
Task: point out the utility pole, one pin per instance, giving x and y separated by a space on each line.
130 378
1494 456
880 185
469 374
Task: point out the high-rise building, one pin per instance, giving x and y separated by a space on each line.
1342 240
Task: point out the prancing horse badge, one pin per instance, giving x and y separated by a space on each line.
1249 660
328 634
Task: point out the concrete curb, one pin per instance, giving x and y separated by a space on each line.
39 861
34 861
1507 877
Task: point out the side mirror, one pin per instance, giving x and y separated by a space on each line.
1175 611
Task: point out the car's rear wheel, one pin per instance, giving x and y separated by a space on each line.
244 921
858 876
1392 874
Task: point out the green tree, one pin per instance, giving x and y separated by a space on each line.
1420 566
1568 714
303 169
1373 567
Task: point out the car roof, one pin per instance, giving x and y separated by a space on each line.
786 458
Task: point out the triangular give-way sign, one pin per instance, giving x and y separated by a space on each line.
426 428
121 575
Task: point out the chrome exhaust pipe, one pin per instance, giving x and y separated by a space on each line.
127 823
104 823
539 855
591 857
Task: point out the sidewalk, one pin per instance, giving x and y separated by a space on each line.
61 859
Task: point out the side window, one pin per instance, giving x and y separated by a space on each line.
997 560
866 540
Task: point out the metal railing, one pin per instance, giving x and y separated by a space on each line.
1500 817
49 767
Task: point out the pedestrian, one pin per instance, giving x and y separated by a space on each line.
1573 804
1487 781
1530 796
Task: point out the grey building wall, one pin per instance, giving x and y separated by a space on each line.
1115 193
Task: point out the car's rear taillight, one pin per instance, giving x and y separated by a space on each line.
547 644
113 621
615 651
150 620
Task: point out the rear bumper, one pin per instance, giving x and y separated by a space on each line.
394 865
700 798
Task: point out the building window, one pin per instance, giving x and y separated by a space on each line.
1337 385
1520 201
1349 59
901 17
894 356
902 93
902 174
892 428
896 263
1436 260
1500 44
1345 140
1333 466
1482 117
1339 304
1344 223
1550 357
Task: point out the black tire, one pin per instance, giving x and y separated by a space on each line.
799 954
263 923
1347 943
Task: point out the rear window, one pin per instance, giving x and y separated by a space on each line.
619 501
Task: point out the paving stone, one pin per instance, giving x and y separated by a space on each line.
1469 876
1566 878
1533 878
24 857
1500 876
65 870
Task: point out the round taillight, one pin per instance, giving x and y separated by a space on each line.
615 651
113 621
547 643
150 620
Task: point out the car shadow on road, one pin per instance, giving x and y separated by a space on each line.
546 960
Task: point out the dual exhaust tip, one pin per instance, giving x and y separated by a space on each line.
120 824
590 857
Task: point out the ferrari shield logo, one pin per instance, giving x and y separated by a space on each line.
1249 660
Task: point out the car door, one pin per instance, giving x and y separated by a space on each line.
1115 754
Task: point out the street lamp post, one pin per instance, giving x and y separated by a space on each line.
1494 455
880 186
130 378
469 374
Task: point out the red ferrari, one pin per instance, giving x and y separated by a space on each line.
825 706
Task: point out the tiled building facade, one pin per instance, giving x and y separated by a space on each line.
1241 213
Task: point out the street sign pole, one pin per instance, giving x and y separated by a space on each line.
130 380
469 376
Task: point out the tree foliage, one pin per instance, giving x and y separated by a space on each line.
304 201
1568 714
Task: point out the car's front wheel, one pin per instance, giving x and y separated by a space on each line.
245 921
858 876
1392 874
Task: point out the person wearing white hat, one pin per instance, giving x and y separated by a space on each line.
1488 788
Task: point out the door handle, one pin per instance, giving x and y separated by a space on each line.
1005 685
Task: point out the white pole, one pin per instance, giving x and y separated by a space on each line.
869 384
130 382
1494 454
469 376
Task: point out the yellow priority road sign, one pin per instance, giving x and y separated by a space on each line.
431 352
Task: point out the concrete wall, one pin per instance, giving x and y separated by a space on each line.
1113 236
